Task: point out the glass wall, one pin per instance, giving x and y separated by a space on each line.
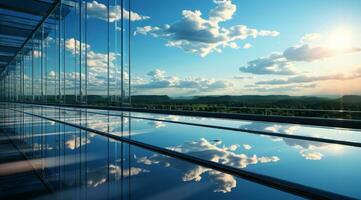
77 56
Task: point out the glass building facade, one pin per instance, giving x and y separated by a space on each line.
57 64
180 99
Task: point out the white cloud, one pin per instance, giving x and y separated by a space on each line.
159 80
311 38
117 171
247 146
97 65
309 53
156 74
275 63
51 74
73 45
213 152
308 79
283 63
242 77
223 11
247 46
78 141
312 155
99 176
310 150
157 124
282 88
100 11
195 34
37 54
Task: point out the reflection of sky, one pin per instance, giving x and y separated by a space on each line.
210 151
301 156
313 131
98 165
299 161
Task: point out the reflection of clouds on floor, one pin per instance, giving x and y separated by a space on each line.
160 124
307 149
39 147
115 124
312 155
102 123
247 146
99 176
156 124
209 151
78 141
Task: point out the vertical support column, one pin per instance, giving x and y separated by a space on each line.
122 55
58 31
32 70
108 53
41 54
86 52
129 53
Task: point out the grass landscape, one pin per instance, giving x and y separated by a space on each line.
345 107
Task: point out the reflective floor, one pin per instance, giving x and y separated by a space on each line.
77 163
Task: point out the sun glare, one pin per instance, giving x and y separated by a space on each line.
340 38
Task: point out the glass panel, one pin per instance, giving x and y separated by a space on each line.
98 55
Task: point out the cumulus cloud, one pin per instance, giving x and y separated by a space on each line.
37 54
307 50
273 64
159 80
223 11
73 45
310 150
97 65
212 151
161 124
247 146
242 77
78 141
100 11
247 46
308 53
157 124
156 74
311 38
99 176
196 34
312 155
308 79
51 74
95 60
281 88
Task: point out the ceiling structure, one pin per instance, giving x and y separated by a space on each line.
19 20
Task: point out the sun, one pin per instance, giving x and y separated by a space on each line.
340 38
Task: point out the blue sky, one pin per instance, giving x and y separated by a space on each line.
214 47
